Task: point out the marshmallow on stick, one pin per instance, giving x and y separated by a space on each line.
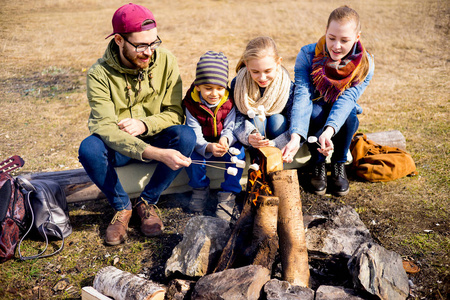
262 117
254 167
261 110
234 151
240 164
312 139
232 171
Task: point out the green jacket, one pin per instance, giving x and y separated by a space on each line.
157 104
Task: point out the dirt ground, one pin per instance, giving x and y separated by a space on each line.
85 252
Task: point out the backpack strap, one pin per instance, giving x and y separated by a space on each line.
28 186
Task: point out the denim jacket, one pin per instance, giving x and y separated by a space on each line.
305 92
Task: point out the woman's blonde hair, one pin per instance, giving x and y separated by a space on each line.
258 48
347 14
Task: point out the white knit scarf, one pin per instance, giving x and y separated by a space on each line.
247 95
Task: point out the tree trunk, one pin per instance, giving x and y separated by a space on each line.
291 232
121 285
241 234
265 238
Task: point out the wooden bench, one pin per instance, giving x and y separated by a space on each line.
134 177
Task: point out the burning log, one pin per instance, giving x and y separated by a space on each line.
242 230
262 207
293 251
265 239
241 236
121 285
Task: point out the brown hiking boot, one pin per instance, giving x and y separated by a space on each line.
116 232
151 224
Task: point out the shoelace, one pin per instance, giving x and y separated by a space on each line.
118 217
339 170
319 170
148 211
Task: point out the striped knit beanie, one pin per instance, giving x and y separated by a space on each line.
212 68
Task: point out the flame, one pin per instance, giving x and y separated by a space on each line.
263 189
254 176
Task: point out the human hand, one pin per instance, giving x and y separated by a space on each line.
134 127
288 152
174 159
325 141
216 149
224 142
257 140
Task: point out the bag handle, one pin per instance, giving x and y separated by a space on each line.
29 187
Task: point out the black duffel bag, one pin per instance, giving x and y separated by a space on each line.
49 212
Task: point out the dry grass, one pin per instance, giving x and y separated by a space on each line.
46 47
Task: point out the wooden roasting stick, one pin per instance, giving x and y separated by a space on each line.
291 231
122 285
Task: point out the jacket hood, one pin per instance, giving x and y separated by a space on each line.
112 58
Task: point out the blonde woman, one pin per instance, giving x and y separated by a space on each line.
262 86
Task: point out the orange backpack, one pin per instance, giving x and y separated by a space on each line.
374 162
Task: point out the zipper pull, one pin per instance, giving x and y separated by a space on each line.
150 77
129 91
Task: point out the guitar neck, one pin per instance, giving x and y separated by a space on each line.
10 164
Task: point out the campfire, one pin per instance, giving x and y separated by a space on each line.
271 220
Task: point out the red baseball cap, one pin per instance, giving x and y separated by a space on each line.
130 18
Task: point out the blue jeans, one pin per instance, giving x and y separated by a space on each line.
272 127
197 173
341 140
99 162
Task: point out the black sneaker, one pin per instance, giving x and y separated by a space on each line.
339 179
319 179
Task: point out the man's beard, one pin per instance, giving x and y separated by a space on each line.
132 58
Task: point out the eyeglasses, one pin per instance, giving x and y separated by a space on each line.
142 48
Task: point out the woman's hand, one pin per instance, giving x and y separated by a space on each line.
325 141
257 140
291 148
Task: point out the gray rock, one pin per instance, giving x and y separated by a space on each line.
282 290
243 283
203 241
379 272
179 289
341 234
327 292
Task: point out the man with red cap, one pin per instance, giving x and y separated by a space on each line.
135 94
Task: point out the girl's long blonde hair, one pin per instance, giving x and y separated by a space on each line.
258 48
346 14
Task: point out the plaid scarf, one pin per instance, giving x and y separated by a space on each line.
331 78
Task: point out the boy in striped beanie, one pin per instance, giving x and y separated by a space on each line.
211 113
